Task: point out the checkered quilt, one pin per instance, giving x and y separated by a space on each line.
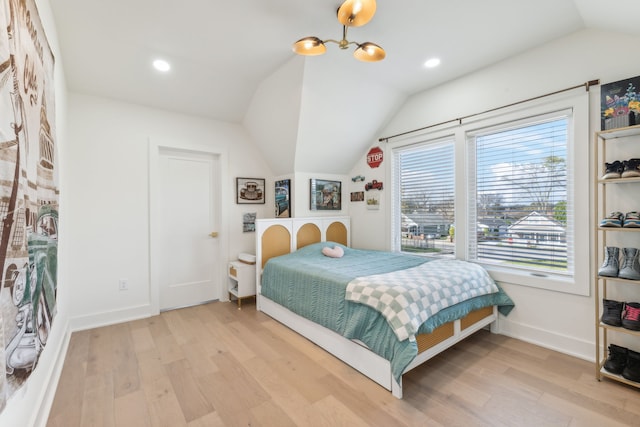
407 298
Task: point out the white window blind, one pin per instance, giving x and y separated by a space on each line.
425 174
519 196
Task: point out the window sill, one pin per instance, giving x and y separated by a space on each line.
548 281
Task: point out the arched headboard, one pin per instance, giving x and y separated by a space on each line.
280 236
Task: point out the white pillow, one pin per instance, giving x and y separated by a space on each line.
336 252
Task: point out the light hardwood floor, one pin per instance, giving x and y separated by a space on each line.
214 365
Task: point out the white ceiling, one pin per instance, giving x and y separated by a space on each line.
221 51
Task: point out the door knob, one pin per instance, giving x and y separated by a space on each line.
213 234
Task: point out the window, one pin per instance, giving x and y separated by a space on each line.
519 196
425 174
516 200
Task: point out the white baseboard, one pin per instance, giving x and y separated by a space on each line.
572 346
48 391
106 318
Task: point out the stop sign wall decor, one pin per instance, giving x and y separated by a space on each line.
374 157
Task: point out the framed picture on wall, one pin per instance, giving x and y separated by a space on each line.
283 198
249 222
249 191
357 196
325 195
620 104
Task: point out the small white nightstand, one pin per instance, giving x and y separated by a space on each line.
242 280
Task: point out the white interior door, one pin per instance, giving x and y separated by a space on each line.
188 253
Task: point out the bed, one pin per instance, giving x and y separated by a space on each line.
321 297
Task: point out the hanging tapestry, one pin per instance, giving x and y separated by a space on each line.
28 194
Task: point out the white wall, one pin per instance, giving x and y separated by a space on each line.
273 116
552 319
108 199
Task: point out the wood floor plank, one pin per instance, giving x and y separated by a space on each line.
168 348
131 410
227 334
349 397
335 413
162 403
98 401
125 364
182 377
226 401
270 414
209 420
150 366
100 356
582 415
214 365
142 339
282 392
179 328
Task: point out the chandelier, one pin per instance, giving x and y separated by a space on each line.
352 13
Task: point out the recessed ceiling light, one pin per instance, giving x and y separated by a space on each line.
161 65
433 62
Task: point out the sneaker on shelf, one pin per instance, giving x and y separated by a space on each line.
631 316
614 219
613 170
631 219
630 168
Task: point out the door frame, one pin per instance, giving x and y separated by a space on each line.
154 220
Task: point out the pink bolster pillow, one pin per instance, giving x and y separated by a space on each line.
336 252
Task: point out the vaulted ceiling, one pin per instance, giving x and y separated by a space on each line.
231 61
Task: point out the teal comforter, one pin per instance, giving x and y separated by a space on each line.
313 286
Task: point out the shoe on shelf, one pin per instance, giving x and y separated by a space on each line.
631 316
631 220
630 268
611 264
613 170
614 219
631 370
617 360
612 312
630 168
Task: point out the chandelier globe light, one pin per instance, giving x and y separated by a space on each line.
352 13
355 13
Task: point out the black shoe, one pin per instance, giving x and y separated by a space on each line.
630 168
632 369
612 312
613 170
631 316
617 360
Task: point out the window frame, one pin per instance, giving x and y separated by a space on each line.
578 171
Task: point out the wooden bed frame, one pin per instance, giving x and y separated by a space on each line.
275 237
